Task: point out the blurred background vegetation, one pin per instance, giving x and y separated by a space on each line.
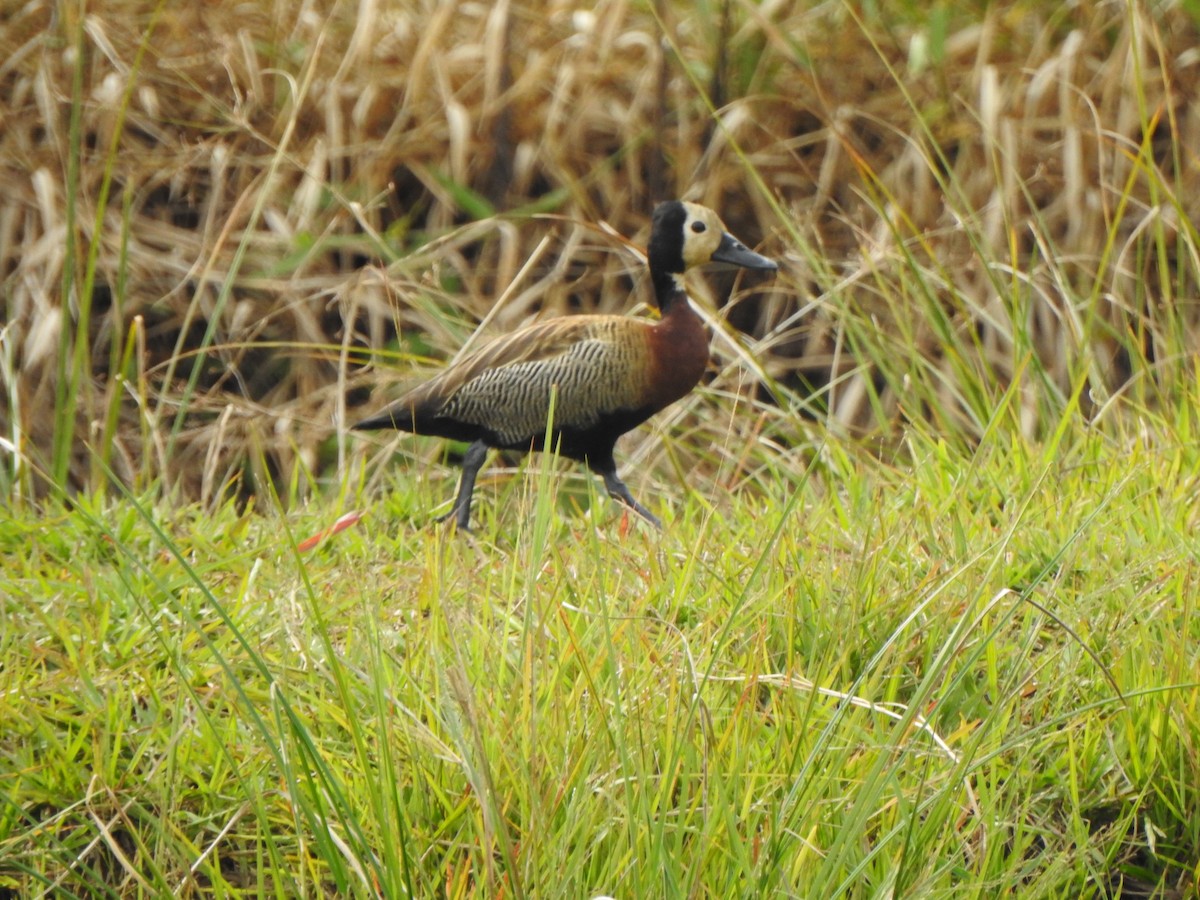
224 225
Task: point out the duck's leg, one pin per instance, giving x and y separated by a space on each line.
616 488
472 463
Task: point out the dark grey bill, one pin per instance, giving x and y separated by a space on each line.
731 250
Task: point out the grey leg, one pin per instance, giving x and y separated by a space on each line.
472 463
616 488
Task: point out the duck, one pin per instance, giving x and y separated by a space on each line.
604 374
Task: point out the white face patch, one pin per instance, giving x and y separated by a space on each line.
702 232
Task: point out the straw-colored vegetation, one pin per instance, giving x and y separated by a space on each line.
922 620
235 204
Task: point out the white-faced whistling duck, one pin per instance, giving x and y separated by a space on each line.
611 373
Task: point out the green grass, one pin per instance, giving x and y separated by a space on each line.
967 674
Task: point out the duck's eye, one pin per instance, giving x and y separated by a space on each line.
698 227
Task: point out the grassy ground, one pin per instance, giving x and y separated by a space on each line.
963 675
922 620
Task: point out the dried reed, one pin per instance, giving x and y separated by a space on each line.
209 246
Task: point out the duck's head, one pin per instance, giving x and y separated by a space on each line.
685 234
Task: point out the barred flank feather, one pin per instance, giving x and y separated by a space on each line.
596 376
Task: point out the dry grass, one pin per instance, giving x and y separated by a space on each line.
236 202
